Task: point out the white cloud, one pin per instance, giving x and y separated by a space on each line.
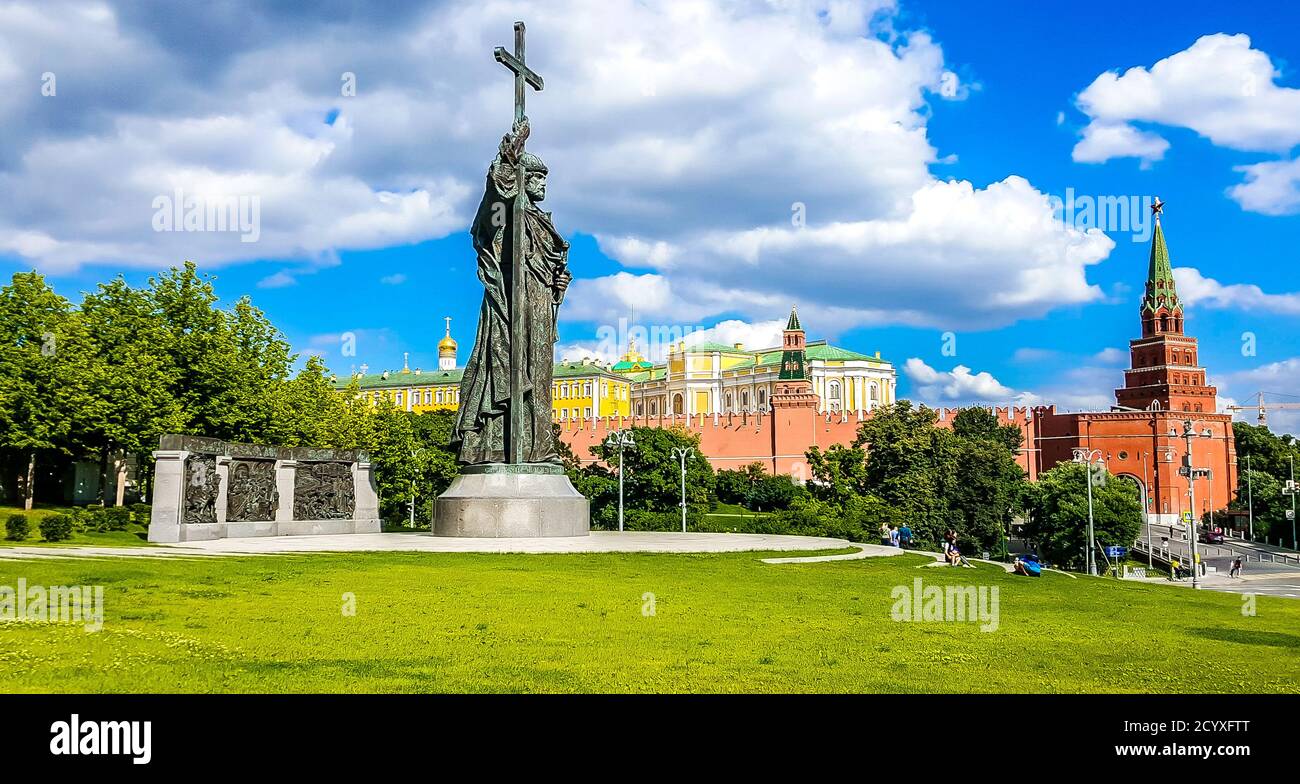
684 136
958 385
1112 356
1197 290
1271 187
277 280
1221 88
1102 142
396 279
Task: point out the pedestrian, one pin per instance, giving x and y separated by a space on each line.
1235 571
1197 565
884 533
905 536
893 536
1174 568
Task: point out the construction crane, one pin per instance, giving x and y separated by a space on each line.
1264 407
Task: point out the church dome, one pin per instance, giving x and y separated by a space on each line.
446 345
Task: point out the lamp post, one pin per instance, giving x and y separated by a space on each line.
415 453
1291 490
620 439
682 454
1088 458
1189 469
1250 501
1146 506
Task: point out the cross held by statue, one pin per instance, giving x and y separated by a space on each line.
524 77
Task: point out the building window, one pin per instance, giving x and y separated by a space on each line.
397 398
875 392
640 408
762 399
654 408
586 389
834 390
587 412
679 406
744 400
727 403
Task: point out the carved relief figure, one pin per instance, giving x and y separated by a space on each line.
202 484
252 494
323 491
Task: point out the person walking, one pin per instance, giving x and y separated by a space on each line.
1174 569
893 536
905 536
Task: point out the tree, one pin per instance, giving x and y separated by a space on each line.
1058 505
37 355
1269 457
981 424
652 478
126 381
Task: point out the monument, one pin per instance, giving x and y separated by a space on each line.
206 488
511 482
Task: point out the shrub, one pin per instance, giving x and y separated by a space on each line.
115 518
16 528
142 513
56 528
643 520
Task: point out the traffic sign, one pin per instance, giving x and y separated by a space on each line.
1116 552
1290 514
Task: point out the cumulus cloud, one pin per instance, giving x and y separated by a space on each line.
1221 88
958 385
1197 290
1270 187
733 156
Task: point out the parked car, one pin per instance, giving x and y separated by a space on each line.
1212 536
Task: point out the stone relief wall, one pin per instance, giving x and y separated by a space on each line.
206 488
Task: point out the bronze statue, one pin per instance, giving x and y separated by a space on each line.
505 393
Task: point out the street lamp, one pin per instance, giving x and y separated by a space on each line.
1191 472
1146 506
1088 458
415 453
1250 500
620 439
682 454
1291 490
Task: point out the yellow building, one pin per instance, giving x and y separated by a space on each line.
699 378
579 390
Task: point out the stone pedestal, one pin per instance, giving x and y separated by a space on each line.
500 500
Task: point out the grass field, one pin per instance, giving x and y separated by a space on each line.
575 623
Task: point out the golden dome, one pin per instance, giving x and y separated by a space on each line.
447 346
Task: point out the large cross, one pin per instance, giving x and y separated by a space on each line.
524 76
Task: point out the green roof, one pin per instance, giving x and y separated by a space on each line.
397 379
710 346
1161 290
624 365
793 323
820 350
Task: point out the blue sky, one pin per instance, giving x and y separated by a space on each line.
921 139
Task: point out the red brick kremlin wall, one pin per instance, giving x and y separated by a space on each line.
1137 445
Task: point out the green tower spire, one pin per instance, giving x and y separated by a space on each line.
1161 290
794 362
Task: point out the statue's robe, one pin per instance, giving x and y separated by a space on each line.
484 412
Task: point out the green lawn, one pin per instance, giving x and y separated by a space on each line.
575 623
133 538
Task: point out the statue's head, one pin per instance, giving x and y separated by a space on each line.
534 177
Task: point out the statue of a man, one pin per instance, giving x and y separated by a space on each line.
482 420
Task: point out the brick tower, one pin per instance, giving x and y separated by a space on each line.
1164 373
